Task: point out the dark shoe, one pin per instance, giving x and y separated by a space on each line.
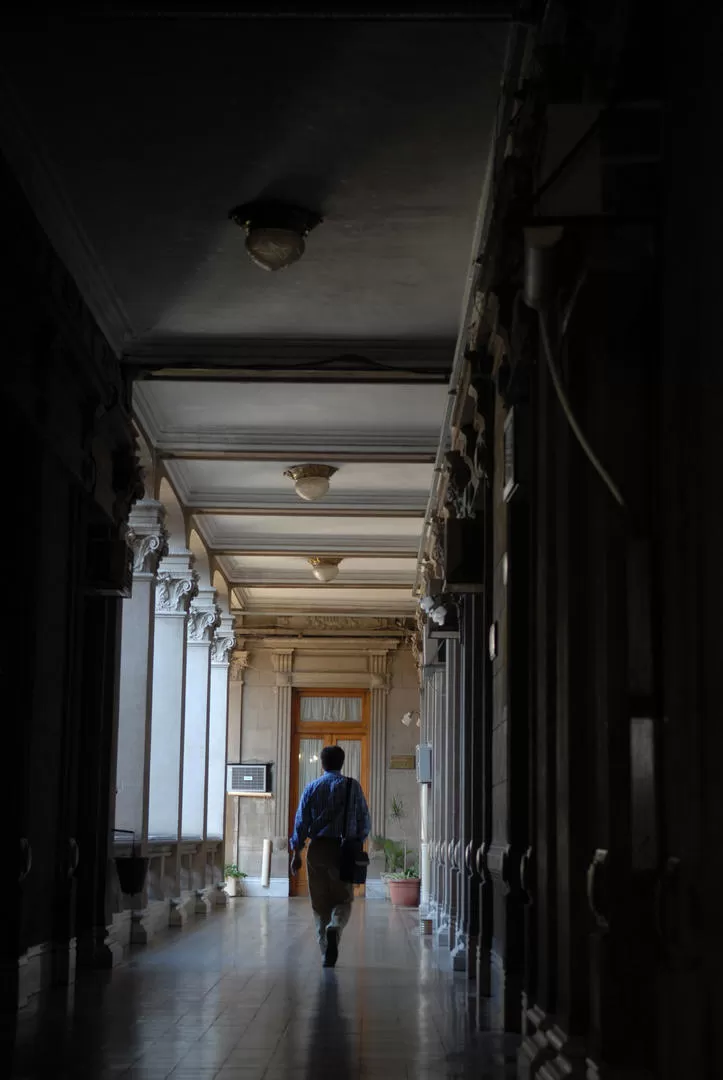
332 947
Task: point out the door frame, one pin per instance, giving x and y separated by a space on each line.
326 731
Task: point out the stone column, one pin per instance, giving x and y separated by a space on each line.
221 646
471 782
203 618
379 682
283 663
147 536
426 706
177 585
435 689
460 956
448 927
237 667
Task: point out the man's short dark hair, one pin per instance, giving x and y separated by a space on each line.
332 758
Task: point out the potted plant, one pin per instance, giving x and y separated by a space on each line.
234 879
404 888
393 858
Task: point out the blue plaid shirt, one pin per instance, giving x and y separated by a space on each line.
321 811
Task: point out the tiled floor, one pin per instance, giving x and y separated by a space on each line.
243 996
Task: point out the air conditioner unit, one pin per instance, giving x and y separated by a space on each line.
245 779
424 764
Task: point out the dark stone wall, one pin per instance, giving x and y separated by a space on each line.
70 450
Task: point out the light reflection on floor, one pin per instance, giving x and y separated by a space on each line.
243 995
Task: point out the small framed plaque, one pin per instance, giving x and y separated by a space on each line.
403 761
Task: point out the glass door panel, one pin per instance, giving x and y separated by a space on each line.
353 760
330 710
309 768
309 761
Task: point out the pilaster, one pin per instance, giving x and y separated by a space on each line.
451 809
379 681
239 662
177 586
203 618
283 664
221 647
237 669
148 540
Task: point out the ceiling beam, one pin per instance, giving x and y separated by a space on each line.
264 359
306 511
421 11
317 586
362 457
306 552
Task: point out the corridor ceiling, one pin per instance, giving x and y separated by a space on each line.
134 136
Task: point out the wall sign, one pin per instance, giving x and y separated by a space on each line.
403 761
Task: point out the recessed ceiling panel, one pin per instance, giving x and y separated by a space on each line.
310 535
154 129
280 569
271 416
229 481
324 599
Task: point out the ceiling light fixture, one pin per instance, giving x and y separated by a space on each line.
275 232
324 568
311 481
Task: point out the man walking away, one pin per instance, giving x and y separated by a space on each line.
331 808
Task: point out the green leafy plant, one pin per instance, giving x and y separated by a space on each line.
398 814
393 853
411 873
232 871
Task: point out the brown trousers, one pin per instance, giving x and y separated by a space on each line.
331 898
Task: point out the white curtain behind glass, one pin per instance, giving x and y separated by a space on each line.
352 759
331 710
309 761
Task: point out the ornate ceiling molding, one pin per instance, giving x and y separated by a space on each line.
341 646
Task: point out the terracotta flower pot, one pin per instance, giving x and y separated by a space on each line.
405 893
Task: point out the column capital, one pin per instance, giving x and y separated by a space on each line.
175 590
379 667
224 641
147 536
282 660
221 647
239 663
202 621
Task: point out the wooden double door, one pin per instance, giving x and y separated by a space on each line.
322 718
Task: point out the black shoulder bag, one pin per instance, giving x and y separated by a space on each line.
353 859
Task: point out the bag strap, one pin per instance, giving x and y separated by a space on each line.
346 805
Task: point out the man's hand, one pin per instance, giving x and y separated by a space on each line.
296 863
